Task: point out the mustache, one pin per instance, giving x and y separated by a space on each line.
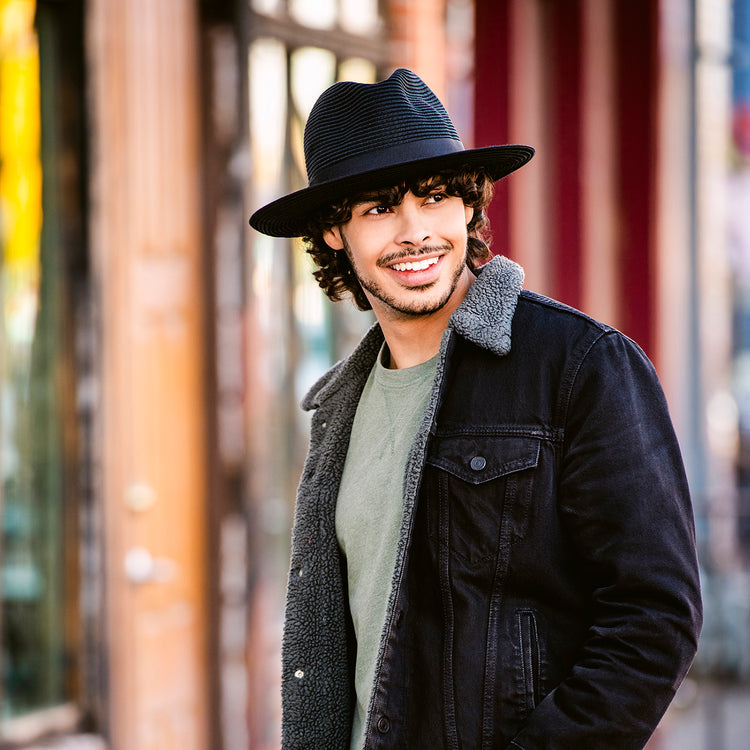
387 260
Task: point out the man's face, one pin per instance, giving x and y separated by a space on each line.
410 258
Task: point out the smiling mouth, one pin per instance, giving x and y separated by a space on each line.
415 265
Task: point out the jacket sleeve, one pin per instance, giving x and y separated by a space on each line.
624 504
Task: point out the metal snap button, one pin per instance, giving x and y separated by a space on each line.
478 463
384 724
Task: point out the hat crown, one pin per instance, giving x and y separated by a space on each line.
351 119
361 137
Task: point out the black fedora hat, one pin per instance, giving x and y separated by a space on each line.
361 136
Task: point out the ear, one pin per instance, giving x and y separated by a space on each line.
469 214
333 239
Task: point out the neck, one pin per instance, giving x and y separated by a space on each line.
414 339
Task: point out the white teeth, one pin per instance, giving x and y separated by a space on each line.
417 265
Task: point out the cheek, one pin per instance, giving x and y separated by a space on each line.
455 226
368 242
454 222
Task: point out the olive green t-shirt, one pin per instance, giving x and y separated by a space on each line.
370 506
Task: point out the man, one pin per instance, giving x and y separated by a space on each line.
493 542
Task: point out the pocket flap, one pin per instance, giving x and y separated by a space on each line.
482 458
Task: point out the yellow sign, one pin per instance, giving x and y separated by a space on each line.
20 167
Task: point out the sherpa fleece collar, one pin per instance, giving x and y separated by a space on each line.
484 318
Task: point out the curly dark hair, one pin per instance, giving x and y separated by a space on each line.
335 274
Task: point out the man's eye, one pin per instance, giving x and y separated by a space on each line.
377 210
436 197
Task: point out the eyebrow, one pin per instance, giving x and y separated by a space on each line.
384 200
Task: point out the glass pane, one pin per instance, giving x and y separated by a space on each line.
313 70
360 16
32 563
269 7
317 14
357 69
268 100
297 179
310 309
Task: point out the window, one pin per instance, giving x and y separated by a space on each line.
40 622
33 524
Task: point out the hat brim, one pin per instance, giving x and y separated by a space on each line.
290 216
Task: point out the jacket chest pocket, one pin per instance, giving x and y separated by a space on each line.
470 481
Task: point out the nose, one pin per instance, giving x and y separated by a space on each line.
412 228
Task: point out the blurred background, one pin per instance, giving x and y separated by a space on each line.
153 348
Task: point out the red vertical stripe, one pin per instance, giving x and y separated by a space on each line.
491 102
564 26
636 23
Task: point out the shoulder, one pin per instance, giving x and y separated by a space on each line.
555 347
553 324
556 313
592 357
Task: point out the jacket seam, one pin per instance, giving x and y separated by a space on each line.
569 387
535 298
449 718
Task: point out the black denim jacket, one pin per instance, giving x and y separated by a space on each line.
546 589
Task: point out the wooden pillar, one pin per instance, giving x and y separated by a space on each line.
146 247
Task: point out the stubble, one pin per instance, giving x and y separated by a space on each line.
411 305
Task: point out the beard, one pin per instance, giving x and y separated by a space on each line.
416 300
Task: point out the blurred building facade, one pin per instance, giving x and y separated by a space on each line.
154 349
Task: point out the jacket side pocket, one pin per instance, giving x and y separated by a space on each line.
530 657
